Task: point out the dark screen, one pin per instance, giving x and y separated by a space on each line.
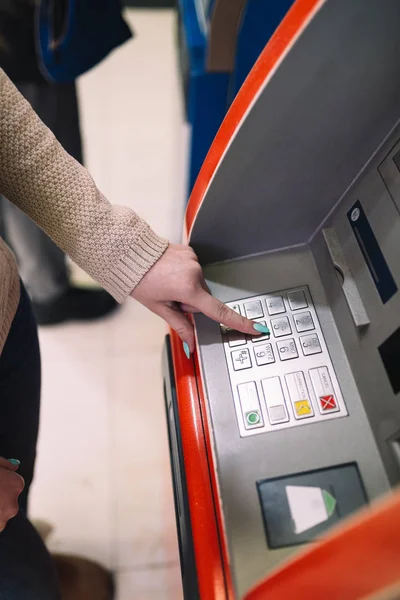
396 160
390 355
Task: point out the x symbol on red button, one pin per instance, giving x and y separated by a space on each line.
327 402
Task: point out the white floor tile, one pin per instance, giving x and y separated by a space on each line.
72 488
73 341
150 584
132 112
135 332
144 515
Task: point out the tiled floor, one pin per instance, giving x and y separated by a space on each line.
103 478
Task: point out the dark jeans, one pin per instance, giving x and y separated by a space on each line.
26 569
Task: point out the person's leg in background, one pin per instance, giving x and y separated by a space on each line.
20 382
42 264
26 569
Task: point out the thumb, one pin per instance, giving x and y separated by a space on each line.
11 464
179 322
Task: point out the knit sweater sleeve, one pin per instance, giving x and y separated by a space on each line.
113 244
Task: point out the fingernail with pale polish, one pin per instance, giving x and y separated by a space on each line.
186 349
261 328
14 461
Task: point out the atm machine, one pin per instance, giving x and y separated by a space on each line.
295 217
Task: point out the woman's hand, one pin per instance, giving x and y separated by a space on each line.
175 285
11 485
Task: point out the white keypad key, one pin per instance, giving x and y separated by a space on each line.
287 349
275 305
275 400
260 338
299 395
281 326
297 300
250 405
235 338
254 309
236 308
324 391
241 359
303 321
264 354
310 344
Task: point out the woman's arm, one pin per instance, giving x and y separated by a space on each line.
112 244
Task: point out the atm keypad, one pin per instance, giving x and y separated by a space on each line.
285 378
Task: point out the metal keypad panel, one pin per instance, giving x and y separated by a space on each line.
285 379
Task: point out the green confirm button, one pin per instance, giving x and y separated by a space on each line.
253 417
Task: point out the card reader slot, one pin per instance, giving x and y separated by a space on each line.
346 279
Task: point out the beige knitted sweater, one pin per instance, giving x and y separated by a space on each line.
110 243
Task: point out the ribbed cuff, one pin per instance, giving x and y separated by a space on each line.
130 269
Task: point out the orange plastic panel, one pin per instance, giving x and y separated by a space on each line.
199 477
359 560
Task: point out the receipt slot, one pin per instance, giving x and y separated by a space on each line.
295 217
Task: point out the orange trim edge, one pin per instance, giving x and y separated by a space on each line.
199 476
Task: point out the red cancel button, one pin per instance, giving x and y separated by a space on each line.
328 402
